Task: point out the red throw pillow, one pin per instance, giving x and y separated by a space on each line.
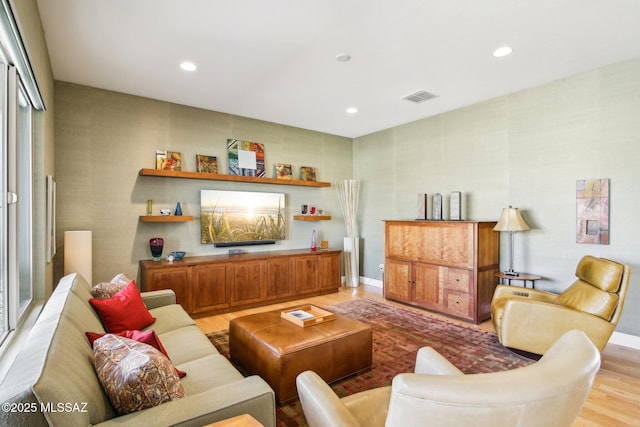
148 337
125 311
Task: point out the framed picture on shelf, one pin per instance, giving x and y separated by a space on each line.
246 158
168 160
282 171
206 164
307 173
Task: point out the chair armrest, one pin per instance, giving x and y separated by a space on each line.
534 326
322 407
504 291
155 299
429 361
213 405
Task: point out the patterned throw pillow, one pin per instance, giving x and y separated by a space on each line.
134 375
147 337
104 290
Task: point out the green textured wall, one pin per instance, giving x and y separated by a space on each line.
104 138
526 149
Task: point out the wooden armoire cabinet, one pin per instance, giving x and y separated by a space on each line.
444 266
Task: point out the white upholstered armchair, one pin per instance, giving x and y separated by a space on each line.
550 392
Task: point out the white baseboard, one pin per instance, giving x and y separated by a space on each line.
625 340
617 338
371 282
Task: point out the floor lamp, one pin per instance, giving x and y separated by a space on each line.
78 254
511 221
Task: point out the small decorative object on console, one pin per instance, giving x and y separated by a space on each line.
177 255
437 207
455 206
422 206
156 244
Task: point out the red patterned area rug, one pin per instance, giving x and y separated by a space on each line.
398 333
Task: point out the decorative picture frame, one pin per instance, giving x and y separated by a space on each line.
51 218
206 164
168 160
282 171
307 173
246 158
592 211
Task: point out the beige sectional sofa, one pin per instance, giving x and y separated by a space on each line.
53 381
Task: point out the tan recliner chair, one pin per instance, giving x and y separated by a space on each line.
550 392
532 320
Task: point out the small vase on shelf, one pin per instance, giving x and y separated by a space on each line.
178 210
314 241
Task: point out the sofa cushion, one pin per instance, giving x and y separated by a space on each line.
135 376
186 344
147 337
205 371
169 318
125 311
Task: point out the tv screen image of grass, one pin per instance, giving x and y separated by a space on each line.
241 216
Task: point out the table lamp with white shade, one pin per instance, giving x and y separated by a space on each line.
511 221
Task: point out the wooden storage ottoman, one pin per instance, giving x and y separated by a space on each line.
279 350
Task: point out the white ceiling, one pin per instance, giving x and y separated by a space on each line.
275 60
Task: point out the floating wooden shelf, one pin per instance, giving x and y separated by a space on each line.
165 218
311 217
222 177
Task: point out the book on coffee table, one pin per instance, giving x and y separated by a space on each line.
301 314
307 315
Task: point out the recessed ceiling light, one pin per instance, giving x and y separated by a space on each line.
188 66
352 110
502 51
343 57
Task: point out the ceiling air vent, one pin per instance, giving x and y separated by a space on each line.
419 96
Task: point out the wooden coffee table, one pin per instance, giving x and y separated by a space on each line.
278 350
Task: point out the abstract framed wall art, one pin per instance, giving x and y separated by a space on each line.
246 158
51 218
592 211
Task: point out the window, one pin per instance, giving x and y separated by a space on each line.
16 254
19 96
4 315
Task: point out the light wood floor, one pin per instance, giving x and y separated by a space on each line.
614 399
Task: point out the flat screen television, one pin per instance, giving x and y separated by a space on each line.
236 218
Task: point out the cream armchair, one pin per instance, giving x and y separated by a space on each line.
532 320
549 392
